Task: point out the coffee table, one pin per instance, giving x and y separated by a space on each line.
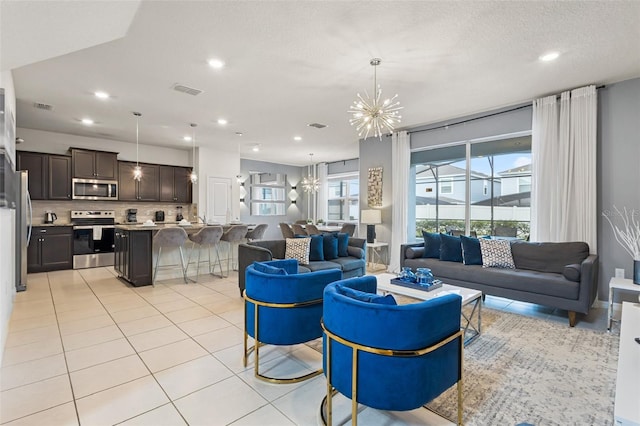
471 322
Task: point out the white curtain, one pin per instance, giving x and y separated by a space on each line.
563 190
322 192
400 157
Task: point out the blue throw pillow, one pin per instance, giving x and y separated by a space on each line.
450 248
471 253
268 269
330 246
431 245
316 248
366 297
343 243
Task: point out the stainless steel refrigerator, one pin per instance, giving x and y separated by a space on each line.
24 217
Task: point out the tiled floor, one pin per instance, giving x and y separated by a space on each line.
84 348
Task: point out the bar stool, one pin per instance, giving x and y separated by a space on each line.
168 238
312 230
208 236
286 230
234 235
257 233
298 229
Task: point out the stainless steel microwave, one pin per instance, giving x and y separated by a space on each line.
94 189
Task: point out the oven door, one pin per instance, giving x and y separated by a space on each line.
91 239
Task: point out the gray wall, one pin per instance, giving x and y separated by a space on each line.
376 153
618 172
294 211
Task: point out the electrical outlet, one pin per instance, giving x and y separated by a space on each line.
619 273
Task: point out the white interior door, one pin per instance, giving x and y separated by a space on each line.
218 199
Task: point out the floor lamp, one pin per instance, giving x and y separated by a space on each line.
371 218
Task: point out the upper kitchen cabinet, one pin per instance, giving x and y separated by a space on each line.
94 164
36 164
175 185
59 174
147 189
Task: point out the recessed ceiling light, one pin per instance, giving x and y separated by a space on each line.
87 121
297 138
256 148
216 63
549 56
238 133
187 138
101 95
222 121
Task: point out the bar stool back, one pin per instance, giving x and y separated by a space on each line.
257 233
170 238
209 236
234 236
298 229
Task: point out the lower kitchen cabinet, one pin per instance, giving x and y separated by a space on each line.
50 249
133 256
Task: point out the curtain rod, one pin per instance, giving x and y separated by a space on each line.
343 161
445 126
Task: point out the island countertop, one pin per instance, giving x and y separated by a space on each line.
194 227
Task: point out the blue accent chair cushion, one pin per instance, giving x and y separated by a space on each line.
471 253
392 382
286 326
268 269
343 243
450 248
431 245
330 246
363 296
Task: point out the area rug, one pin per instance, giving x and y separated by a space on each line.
524 370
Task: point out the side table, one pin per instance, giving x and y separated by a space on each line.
622 284
376 252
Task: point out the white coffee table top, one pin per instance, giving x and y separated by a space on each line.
384 284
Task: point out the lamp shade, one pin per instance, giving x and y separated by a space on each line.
371 217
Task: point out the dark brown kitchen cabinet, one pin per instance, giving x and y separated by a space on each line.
175 185
36 164
50 249
94 164
134 256
147 189
59 177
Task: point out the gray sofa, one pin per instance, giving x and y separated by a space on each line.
354 265
542 275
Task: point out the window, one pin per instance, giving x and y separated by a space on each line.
342 198
499 187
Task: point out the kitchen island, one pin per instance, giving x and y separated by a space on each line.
135 255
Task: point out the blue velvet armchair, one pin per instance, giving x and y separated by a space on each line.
283 307
385 356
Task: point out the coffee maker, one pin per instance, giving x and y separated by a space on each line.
131 215
179 215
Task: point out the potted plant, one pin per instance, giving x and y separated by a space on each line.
628 235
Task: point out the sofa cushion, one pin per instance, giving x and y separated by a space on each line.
298 248
323 265
366 297
350 263
431 245
343 243
330 246
316 248
471 253
303 269
496 254
548 257
415 252
572 272
450 248
268 269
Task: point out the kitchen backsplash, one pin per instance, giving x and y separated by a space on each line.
145 210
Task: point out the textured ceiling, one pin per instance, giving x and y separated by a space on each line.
293 63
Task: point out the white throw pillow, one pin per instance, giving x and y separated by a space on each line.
298 248
496 254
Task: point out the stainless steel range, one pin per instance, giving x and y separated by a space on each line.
93 241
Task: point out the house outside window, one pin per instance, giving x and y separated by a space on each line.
343 198
446 186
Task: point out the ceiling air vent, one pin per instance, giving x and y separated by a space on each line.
186 89
45 107
317 125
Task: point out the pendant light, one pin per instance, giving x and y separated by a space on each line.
194 175
137 171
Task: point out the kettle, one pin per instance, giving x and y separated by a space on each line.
49 217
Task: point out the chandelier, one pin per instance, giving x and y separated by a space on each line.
137 170
311 183
372 116
193 177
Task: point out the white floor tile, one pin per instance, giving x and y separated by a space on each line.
156 338
61 415
175 305
31 323
134 314
31 336
97 354
92 337
188 314
167 415
31 351
265 416
32 371
86 324
217 340
221 403
29 399
191 376
204 325
107 375
120 403
173 354
143 325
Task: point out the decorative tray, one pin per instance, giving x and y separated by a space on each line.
436 284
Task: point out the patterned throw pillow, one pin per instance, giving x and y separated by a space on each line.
298 248
496 254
